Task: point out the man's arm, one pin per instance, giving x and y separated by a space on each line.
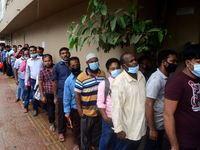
16 76
78 104
6 60
44 100
55 88
153 134
169 122
17 53
67 99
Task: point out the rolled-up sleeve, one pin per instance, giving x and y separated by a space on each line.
117 103
100 95
67 97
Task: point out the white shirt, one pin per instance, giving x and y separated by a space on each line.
33 68
17 66
128 105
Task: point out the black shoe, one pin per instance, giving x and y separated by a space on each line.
35 113
45 112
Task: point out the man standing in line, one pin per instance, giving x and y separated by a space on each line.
60 73
167 62
33 67
182 105
3 59
86 98
44 77
128 104
144 66
103 103
69 100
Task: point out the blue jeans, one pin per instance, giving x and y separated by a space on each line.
27 97
34 101
107 136
12 66
154 145
22 85
127 144
18 91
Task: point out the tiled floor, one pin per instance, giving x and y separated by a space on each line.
20 131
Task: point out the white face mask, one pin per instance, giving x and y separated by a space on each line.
196 70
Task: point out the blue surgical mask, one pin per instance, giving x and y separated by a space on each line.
115 73
34 55
196 70
133 69
64 60
26 57
94 66
12 49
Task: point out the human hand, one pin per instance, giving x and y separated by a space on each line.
121 135
153 135
44 100
17 82
67 116
81 114
56 101
26 87
108 120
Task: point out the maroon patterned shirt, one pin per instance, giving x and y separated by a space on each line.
45 75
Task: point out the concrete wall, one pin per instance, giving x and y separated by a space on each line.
52 31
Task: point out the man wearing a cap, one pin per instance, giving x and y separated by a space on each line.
86 87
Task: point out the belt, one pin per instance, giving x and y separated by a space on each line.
33 79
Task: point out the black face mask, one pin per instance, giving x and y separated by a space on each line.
76 70
171 67
148 67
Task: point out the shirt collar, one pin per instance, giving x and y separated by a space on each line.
129 78
162 75
36 58
87 73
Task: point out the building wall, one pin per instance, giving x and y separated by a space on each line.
52 31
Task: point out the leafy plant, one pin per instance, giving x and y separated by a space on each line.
119 28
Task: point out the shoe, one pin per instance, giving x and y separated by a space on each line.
25 110
22 102
45 112
30 100
35 113
16 100
61 137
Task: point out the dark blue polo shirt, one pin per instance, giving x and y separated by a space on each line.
60 73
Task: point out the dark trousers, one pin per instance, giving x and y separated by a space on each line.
107 136
90 129
62 120
154 145
27 97
127 144
167 146
76 126
51 108
4 67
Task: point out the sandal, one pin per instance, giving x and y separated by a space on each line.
76 147
61 137
52 128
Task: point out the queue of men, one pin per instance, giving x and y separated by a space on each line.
119 111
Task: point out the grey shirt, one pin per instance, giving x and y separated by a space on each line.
155 89
17 66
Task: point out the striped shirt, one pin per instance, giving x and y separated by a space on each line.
87 85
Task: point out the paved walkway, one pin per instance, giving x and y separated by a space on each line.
19 131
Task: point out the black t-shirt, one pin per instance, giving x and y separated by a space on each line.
186 91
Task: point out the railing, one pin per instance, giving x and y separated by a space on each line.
3 7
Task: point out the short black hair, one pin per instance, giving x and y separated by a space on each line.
110 61
73 58
20 45
41 48
33 47
122 57
25 49
163 55
192 52
47 55
63 48
141 58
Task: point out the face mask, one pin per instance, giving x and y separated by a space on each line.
64 60
76 70
133 69
34 55
115 73
26 57
12 49
196 71
148 67
171 67
94 66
